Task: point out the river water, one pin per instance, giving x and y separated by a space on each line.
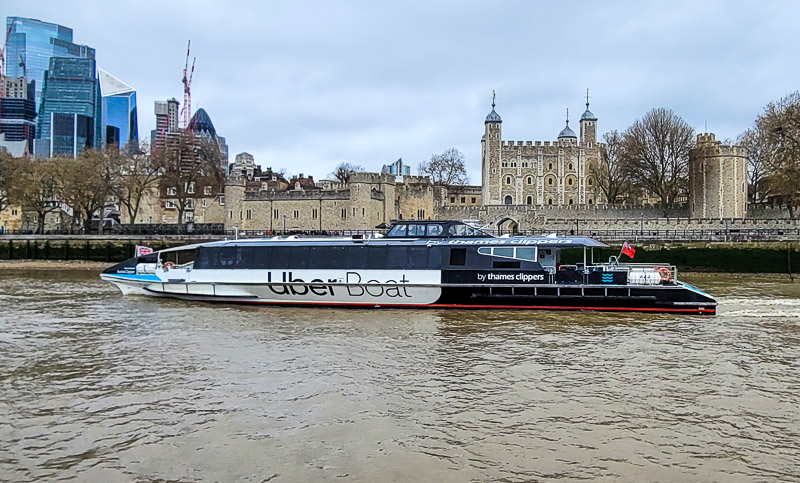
100 387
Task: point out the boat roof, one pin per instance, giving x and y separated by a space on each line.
541 241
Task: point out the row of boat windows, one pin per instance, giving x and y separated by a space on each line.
322 257
434 229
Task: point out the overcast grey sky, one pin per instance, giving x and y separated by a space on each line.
305 85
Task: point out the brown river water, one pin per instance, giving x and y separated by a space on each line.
99 387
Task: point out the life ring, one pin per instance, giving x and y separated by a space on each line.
168 265
664 273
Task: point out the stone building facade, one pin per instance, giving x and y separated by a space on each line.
717 179
540 173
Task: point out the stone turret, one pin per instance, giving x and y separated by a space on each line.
491 144
717 179
588 126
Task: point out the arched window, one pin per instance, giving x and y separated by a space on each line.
509 200
569 181
508 179
529 200
549 165
549 201
570 166
590 182
529 180
591 201
571 202
550 181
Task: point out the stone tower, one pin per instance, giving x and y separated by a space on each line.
588 126
490 153
717 179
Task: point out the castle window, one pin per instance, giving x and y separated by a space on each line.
249 214
550 181
474 200
571 202
509 200
363 211
569 181
529 200
590 182
549 165
549 201
344 213
463 199
420 214
230 214
275 214
570 166
529 180
591 201
452 199
314 213
508 179
296 214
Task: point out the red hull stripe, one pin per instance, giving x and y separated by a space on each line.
461 306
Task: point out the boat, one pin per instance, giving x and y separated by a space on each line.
416 264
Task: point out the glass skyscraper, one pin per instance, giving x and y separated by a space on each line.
70 114
32 43
120 126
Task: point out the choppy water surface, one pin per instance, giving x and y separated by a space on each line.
97 386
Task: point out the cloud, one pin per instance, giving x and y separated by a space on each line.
305 85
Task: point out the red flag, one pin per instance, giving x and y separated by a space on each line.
628 250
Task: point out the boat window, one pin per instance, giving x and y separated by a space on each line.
397 231
457 230
435 229
356 257
397 258
434 258
326 257
503 252
544 253
227 257
416 230
526 253
458 257
298 257
376 257
417 258
278 257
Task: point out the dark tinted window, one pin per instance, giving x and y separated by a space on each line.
434 258
458 256
417 258
376 258
356 257
227 257
326 257
298 257
397 258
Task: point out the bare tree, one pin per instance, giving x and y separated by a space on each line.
609 173
187 164
780 127
34 187
757 164
85 183
446 169
135 175
344 171
5 179
655 150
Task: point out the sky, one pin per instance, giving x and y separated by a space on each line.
306 85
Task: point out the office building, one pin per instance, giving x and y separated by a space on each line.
70 116
166 121
17 111
120 126
31 45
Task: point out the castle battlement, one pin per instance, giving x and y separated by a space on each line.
364 177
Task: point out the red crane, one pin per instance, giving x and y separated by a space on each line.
187 89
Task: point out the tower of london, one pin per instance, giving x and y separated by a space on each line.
540 172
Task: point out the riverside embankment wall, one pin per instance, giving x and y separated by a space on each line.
746 257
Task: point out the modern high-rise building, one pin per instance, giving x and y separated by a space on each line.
17 111
32 43
120 126
166 121
70 115
201 124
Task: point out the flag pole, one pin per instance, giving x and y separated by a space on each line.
620 250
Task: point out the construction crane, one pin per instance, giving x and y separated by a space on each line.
187 89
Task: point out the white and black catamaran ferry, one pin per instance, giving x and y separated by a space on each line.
442 264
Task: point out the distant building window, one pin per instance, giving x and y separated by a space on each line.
591 201
363 211
529 180
172 191
508 179
275 214
249 214
452 199
569 181
590 181
204 203
463 199
550 181
420 214
549 165
474 200
207 190
549 201
570 201
344 213
570 166
314 213
508 200
190 188
222 200
190 204
296 213
169 204
529 200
